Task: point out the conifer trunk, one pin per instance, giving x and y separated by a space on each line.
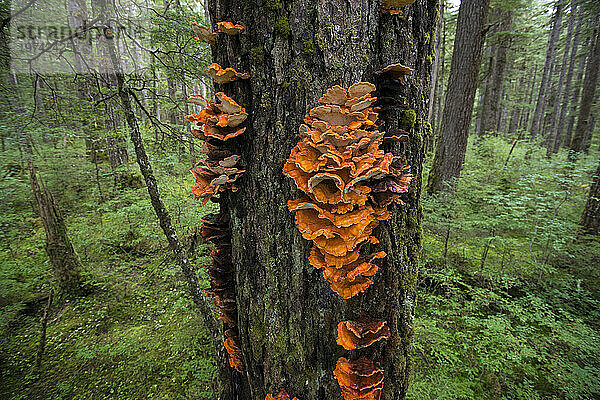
560 128
492 100
587 95
540 107
554 136
288 315
460 95
590 218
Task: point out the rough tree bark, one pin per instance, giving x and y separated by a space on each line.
287 312
458 106
587 95
540 107
65 261
590 218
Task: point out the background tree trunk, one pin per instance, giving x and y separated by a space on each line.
458 106
587 95
540 107
492 99
287 312
567 91
576 92
65 261
590 218
554 136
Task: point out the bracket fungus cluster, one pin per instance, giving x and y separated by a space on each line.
393 6
218 122
348 181
229 28
206 35
359 379
282 395
354 335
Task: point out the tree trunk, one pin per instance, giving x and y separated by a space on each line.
440 83
436 63
492 99
115 143
458 107
435 79
540 107
554 137
287 314
589 132
525 120
590 218
587 95
65 261
560 141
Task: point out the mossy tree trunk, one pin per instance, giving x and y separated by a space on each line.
294 51
65 261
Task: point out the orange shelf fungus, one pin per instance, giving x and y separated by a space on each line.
282 395
354 335
221 76
213 177
229 28
218 122
393 6
397 71
348 181
233 350
205 34
360 379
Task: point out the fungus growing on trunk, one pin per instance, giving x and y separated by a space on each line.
232 341
360 379
217 123
282 395
221 76
361 333
205 34
214 176
220 121
215 229
396 71
393 6
348 181
229 28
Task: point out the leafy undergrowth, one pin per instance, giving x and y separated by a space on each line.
136 334
508 291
